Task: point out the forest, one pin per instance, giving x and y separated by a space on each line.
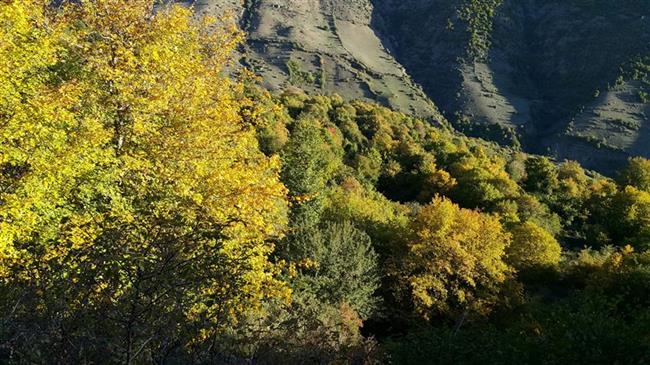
157 210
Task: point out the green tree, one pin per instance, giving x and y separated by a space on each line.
541 176
570 195
628 218
344 265
310 160
334 275
636 173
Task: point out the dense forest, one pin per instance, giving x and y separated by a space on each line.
156 210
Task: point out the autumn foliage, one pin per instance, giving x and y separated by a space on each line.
136 206
158 207
456 259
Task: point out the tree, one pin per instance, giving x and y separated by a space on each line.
636 173
433 180
481 181
529 208
628 218
260 109
309 162
136 209
532 247
382 219
333 274
571 170
344 266
455 260
569 196
541 176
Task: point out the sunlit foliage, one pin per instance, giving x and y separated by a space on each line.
136 207
532 247
455 260
636 173
155 210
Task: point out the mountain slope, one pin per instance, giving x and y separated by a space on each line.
530 67
565 78
322 46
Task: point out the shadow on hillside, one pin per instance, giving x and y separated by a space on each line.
426 52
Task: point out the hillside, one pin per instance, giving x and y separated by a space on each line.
557 77
322 46
558 73
159 207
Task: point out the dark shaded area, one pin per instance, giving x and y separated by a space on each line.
414 31
553 54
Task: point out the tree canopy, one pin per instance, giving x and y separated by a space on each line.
455 259
157 205
136 204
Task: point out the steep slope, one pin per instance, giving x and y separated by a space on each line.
531 68
560 77
322 46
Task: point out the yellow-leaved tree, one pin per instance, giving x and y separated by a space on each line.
532 247
454 265
136 209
